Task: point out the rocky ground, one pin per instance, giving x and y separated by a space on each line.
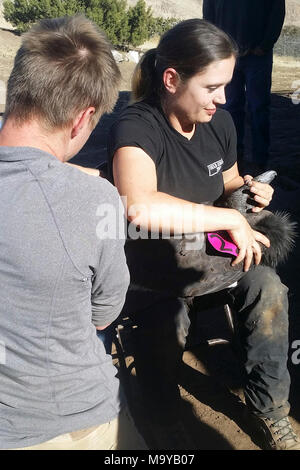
211 405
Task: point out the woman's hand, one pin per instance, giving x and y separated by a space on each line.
262 193
247 241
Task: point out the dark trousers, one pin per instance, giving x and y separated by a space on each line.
251 85
261 306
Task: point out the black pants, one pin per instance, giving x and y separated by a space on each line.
251 83
261 306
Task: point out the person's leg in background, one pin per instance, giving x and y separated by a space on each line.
235 104
258 71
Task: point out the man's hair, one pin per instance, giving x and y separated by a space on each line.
63 66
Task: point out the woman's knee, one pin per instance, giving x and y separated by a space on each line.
264 302
165 320
264 282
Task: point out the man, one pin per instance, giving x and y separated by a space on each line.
255 25
60 280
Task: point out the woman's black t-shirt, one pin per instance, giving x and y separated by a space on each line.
187 169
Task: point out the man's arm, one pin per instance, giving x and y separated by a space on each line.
111 277
100 328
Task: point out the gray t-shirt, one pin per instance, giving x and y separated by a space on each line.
59 278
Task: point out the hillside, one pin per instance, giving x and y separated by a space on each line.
174 8
193 8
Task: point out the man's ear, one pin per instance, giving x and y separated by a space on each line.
171 80
82 120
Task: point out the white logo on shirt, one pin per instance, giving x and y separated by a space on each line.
215 167
2 353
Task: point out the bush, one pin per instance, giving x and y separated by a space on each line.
140 20
160 25
23 13
111 16
123 26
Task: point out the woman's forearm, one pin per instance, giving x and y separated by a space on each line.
88 171
232 185
160 212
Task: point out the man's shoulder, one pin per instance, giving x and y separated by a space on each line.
92 189
74 196
78 203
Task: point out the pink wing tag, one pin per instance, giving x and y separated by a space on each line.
220 244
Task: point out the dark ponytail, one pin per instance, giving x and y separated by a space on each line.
188 47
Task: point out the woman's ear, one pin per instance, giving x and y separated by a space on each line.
171 80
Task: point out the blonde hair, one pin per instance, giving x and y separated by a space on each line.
64 65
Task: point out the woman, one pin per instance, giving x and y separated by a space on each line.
172 155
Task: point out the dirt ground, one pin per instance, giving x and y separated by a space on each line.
211 404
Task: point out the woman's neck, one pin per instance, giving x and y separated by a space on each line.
180 123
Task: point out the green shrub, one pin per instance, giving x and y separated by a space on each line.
23 13
140 21
124 26
160 25
114 19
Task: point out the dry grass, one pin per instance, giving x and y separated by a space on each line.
292 13
174 8
193 8
286 72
